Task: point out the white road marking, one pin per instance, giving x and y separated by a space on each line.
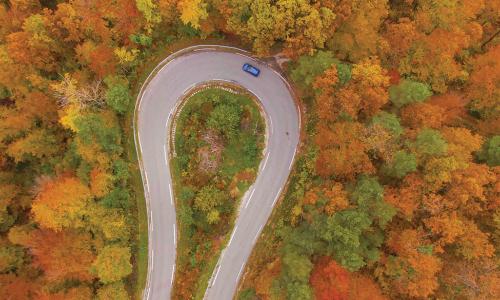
265 161
276 198
271 124
249 198
152 258
232 235
171 194
290 166
147 183
216 274
172 277
175 233
239 273
260 229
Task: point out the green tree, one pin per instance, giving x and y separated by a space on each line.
408 91
11 257
491 151
297 269
117 198
402 164
101 129
150 11
343 233
118 95
388 121
369 196
299 291
308 67
207 200
113 263
225 119
430 142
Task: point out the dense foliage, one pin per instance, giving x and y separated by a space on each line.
219 141
398 182
395 193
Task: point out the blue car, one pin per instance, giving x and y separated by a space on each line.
251 69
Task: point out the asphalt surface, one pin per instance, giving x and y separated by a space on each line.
155 112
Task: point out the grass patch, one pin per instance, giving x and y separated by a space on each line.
219 140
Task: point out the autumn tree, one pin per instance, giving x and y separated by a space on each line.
357 37
192 12
266 277
113 291
37 144
61 203
483 86
462 144
207 201
413 267
369 83
407 197
11 257
329 280
18 288
301 25
362 287
434 63
420 115
112 264
55 253
400 36
342 152
460 278
150 12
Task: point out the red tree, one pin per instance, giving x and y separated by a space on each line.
329 280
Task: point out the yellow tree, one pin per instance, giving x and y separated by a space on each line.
370 82
61 203
113 264
302 25
358 35
192 12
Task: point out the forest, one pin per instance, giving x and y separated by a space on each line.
219 138
395 193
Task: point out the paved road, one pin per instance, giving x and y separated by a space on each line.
154 115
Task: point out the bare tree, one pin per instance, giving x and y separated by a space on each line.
67 92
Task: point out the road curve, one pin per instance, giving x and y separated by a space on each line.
154 113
